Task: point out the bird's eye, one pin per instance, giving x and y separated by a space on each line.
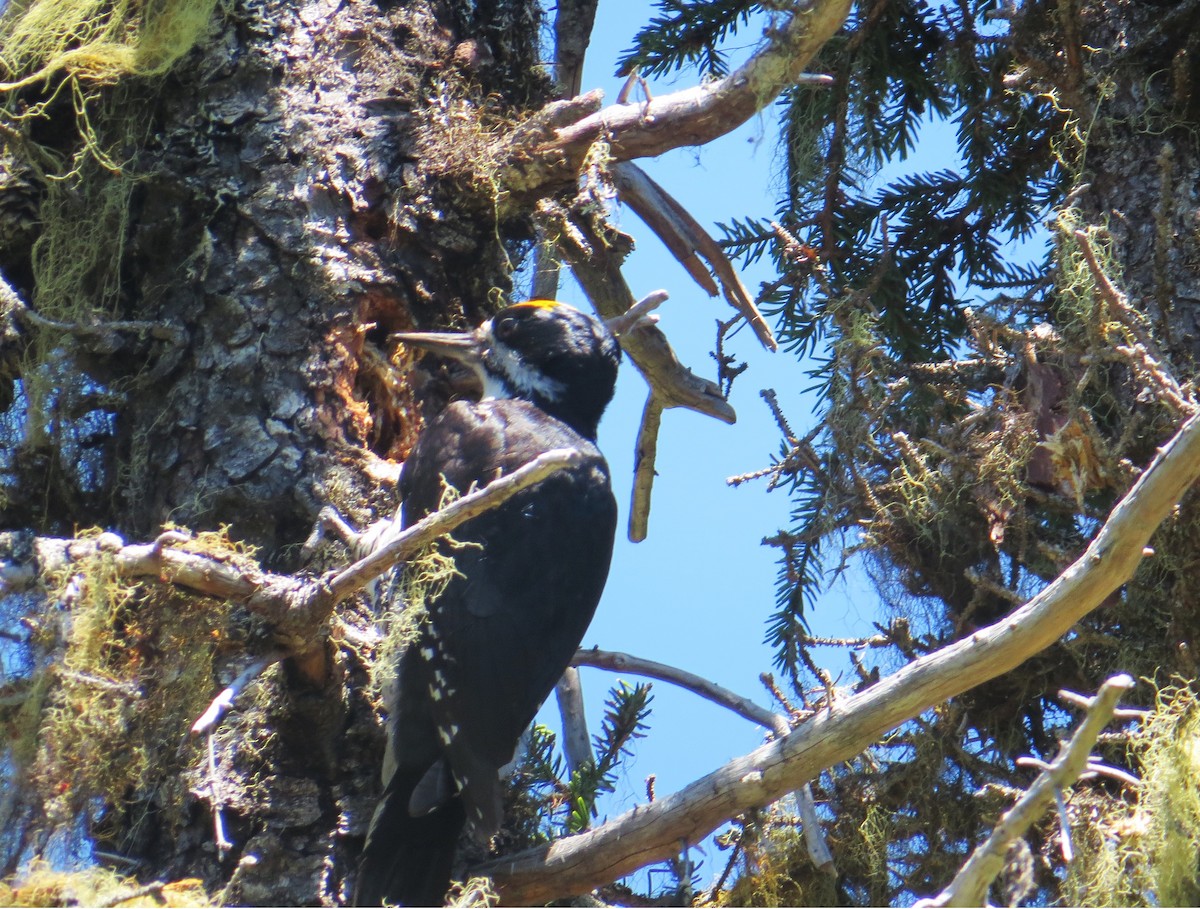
504 328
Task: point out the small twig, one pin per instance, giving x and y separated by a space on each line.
994 588
1076 699
638 314
734 855
645 454
222 841
727 368
223 702
970 885
814 835
879 640
695 116
633 80
1097 768
575 741
801 456
768 681
1064 826
354 578
148 890
161 331
330 522
711 691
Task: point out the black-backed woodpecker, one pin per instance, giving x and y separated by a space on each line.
499 637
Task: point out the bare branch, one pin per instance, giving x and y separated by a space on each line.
698 115
814 834
970 885
687 240
296 607
638 314
650 832
163 331
645 454
354 578
576 742
223 702
711 691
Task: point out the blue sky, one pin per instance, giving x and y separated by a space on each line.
697 593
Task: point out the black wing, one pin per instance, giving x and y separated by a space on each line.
500 636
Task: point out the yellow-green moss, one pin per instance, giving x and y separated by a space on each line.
98 40
40 886
421 580
1145 851
136 671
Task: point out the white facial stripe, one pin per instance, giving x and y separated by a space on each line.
515 376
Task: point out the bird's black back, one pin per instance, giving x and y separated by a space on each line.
496 641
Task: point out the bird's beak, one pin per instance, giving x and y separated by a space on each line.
466 347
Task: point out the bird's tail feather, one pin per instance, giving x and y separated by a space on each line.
406 860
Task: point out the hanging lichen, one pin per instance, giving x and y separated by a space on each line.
97 41
1142 848
105 728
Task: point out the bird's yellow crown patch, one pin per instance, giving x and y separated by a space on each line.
540 304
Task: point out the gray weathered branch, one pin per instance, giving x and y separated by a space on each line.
970 885
296 607
814 835
688 242
693 116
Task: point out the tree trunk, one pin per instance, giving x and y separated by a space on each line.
267 213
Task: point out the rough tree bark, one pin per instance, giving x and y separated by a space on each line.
286 211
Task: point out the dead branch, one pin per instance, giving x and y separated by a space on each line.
645 453
688 242
814 836
639 313
695 115
96 328
296 607
223 702
576 742
970 885
710 691
650 833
